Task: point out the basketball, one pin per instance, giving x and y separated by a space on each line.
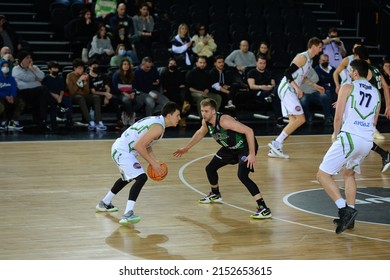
152 175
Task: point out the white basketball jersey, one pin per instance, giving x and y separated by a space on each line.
126 142
344 75
360 110
298 75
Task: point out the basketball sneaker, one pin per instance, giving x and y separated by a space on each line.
277 149
386 162
211 198
347 216
264 213
129 218
272 154
351 226
102 207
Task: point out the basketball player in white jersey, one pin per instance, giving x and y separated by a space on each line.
357 112
290 92
138 139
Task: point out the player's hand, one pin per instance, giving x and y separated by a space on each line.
334 104
387 112
320 89
157 168
250 161
334 137
180 152
299 93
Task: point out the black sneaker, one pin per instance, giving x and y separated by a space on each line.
386 162
347 216
351 226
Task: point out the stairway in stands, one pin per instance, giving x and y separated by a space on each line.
36 29
331 13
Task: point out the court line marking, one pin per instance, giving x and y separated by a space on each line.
188 185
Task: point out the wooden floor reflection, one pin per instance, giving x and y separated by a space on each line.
49 191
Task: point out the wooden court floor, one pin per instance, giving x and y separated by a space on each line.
49 190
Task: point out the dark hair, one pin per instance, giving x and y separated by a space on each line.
218 57
93 61
53 64
332 29
314 41
170 108
361 66
98 31
78 62
262 57
362 52
201 57
386 60
127 77
209 102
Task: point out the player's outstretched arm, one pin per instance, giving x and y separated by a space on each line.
198 135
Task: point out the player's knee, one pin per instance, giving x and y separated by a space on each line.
142 178
209 168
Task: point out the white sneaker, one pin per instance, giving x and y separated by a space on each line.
272 154
277 149
230 105
378 135
129 218
101 126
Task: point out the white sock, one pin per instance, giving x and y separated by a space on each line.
340 203
352 206
92 123
282 136
108 198
130 206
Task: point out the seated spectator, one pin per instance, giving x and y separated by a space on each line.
6 54
58 101
325 79
204 44
199 84
101 48
182 48
11 107
125 93
120 54
222 83
173 85
147 80
29 82
104 9
84 30
262 88
265 51
99 83
120 36
143 31
240 59
77 83
121 18
313 97
8 36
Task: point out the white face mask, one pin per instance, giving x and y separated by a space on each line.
5 70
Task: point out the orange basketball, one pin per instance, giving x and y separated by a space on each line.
152 175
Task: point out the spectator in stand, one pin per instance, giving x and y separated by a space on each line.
222 84
311 96
8 36
325 76
99 83
29 81
262 84
174 88
11 107
240 59
120 54
143 31
147 80
104 9
198 82
84 30
182 48
58 101
77 83
101 48
204 44
125 93
121 36
6 54
121 18
334 47
265 51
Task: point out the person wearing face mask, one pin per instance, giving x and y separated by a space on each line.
59 101
11 106
325 76
173 84
121 35
120 55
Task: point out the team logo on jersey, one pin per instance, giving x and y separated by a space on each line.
298 108
137 165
